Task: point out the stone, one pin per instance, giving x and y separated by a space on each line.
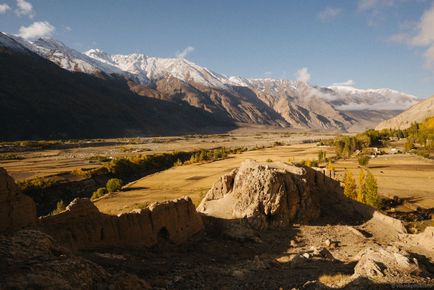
17 210
385 264
293 243
51 266
82 227
328 242
267 195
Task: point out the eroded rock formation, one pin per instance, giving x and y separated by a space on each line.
82 227
270 194
16 209
33 260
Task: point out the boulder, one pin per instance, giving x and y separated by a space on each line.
32 260
17 210
82 227
385 264
269 195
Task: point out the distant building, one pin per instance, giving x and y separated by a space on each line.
394 151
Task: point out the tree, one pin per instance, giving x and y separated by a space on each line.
363 160
409 144
349 185
322 156
361 191
372 197
114 184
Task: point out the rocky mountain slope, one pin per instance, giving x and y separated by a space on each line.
282 103
39 99
417 113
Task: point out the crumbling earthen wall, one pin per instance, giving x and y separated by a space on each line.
16 209
82 227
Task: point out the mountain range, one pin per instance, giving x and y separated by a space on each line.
52 91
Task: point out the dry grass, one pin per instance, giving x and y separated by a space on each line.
196 179
335 281
406 176
51 162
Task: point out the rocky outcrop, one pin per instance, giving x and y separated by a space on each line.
82 227
32 260
270 194
386 265
16 209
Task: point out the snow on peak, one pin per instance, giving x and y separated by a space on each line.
146 68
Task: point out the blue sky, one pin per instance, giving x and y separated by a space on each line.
370 43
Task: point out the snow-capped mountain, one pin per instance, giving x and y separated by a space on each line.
285 103
148 69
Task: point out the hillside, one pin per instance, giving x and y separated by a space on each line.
105 95
416 113
40 100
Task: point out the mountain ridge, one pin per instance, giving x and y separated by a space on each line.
271 102
417 113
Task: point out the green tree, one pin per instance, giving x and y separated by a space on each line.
361 190
372 197
349 185
363 160
114 184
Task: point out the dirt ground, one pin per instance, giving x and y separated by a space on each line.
214 261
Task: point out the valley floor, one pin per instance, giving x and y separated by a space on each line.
407 176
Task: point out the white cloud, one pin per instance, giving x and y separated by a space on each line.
328 14
4 8
348 83
68 28
36 30
420 34
24 8
183 53
303 75
366 5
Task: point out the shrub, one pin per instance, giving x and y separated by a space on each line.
98 193
330 166
114 184
363 160
60 206
36 183
269 160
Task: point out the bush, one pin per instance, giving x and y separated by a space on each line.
269 160
114 184
363 160
60 206
98 193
